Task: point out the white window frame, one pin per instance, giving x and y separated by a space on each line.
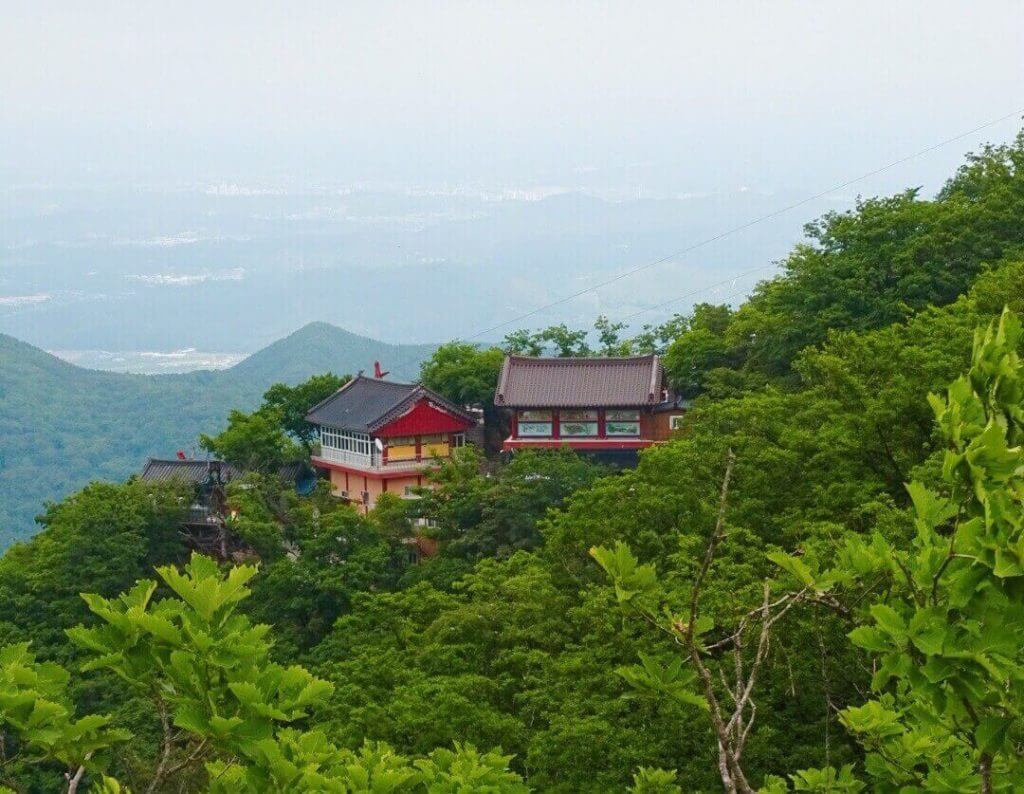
676 422
345 441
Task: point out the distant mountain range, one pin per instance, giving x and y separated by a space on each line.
62 426
145 269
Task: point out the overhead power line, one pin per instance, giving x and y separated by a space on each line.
735 230
722 235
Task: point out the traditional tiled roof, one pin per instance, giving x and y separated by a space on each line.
198 472
365 404
527 382
673 404
192 471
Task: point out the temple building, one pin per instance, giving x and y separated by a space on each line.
380 437
611 407
205 520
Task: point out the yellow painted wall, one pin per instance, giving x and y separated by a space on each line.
429 450
406 452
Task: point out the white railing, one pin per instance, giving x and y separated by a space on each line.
373 461
344 456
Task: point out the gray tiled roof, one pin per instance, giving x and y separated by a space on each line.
630 382
365 404
193 471
197 471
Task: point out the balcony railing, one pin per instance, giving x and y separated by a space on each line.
374 462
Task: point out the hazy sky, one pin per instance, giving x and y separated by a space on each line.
668 96
168 159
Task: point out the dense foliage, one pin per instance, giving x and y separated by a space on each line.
762 603
62 426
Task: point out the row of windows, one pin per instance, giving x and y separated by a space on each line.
358 443
575 423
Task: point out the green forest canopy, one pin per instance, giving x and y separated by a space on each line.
514 658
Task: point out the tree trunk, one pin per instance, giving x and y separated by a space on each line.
723 770
985 769
74 780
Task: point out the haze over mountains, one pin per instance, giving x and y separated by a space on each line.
228 268
62 426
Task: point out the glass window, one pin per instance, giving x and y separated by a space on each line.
535 429
675 422
577 423
622 416
542 415
345 441
577 416
621 428
577 428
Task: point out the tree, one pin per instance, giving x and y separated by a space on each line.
228 711
946 628
468 375
558 340
876 265
496 514
699 348
292 403
330 554
37 722
464 373
732 715
657 338
609 335
253 442
106 534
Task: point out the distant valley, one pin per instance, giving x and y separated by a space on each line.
62 425
231 269
150 362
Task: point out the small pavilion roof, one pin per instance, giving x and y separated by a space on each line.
196 472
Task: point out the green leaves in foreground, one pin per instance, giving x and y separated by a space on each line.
307 762
36 709
207 667
627 574
675 680
200 656
947 640
833 781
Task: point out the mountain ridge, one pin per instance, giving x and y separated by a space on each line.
317 339
62 425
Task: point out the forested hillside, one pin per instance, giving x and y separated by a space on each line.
815 587
304 353
62 426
